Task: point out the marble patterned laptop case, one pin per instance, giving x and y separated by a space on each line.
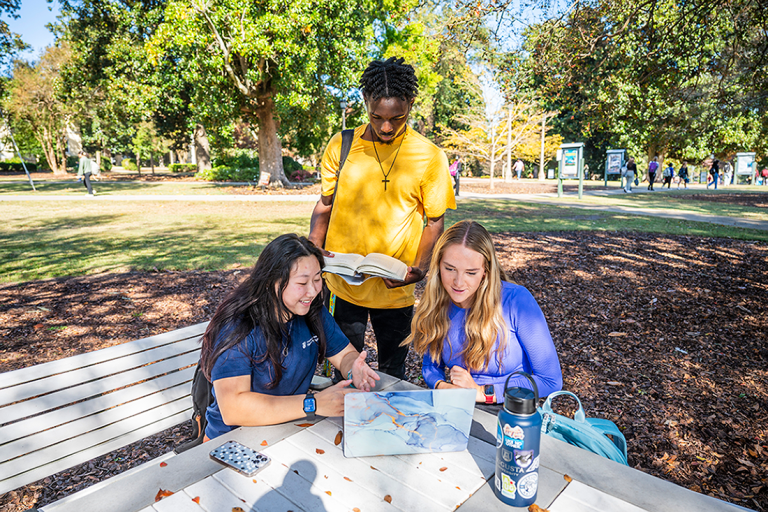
405 422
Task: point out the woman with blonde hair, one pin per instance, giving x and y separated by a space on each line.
474 328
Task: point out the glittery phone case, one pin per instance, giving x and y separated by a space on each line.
240 458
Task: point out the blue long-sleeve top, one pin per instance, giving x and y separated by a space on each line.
529 347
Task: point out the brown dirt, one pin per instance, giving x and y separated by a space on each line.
664 335
753 200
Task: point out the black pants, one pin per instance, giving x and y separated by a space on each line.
87 182
651 179
391 327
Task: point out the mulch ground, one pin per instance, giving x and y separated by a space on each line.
664 335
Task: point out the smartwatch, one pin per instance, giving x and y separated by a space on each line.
310 406
489 392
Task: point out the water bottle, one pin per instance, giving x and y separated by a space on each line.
518 434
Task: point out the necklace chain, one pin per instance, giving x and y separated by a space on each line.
386 174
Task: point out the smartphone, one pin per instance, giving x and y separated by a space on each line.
240 458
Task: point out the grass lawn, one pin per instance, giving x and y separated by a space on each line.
106 188
51 239
681 200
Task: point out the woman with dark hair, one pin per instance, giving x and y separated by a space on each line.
474 328
267 336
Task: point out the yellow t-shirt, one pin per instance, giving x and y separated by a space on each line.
366 218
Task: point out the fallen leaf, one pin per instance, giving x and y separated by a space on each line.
337 441
162 493
614 383
617 333
373 468
319 451
264 443
304 424
355 509
347 479
388 498
254 481
535 508
196 499
163 464
38 326
567 478
328 493
237 509
443 468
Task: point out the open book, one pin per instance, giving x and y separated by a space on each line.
355 269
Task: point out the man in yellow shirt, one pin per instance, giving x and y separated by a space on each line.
391 180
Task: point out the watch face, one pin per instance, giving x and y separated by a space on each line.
310 404
489 390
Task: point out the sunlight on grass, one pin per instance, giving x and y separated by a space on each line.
42 240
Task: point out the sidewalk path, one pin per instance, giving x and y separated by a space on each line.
569 201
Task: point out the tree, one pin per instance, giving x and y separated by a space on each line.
10 43
34 99
285 54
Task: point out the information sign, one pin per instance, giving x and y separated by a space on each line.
745 164
570 167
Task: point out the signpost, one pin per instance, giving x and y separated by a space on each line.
614 161
570 165
746 167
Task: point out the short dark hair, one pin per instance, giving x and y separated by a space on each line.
391 78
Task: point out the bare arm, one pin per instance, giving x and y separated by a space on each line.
321 216
349 360
242 407
429 236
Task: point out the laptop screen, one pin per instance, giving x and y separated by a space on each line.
402 422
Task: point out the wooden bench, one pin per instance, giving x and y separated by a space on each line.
56 415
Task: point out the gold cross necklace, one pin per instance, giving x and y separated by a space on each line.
386 174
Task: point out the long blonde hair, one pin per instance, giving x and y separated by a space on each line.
484 320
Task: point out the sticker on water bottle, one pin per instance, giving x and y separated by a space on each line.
514 437
523 458
508 488
534 466
499 436
527 485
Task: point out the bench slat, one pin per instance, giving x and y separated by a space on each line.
31 373
61 416
90 423
66 462
105 435
81 392
98 371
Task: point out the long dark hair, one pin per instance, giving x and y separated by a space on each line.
259 301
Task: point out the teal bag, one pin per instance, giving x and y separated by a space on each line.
589 434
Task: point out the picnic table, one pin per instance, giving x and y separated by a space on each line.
309 472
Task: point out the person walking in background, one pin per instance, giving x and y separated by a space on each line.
652 168
84 171
631 172
765 176
714 171
455 170
669 173
518 167
683 175
727 173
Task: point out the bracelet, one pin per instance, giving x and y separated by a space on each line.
438 382
349 374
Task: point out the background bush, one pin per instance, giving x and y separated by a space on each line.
182 167
106 164
226 173
14 165
129 164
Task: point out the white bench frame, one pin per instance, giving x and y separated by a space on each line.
59 414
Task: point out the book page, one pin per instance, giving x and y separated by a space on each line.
342 263
384 266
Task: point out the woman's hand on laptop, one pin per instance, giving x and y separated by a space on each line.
330 401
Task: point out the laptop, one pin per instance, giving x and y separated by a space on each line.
407 422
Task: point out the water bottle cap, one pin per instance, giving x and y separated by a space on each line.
520 400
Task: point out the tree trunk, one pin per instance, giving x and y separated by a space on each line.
508 176
138 161
543 135
270 150
202 148
493 152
